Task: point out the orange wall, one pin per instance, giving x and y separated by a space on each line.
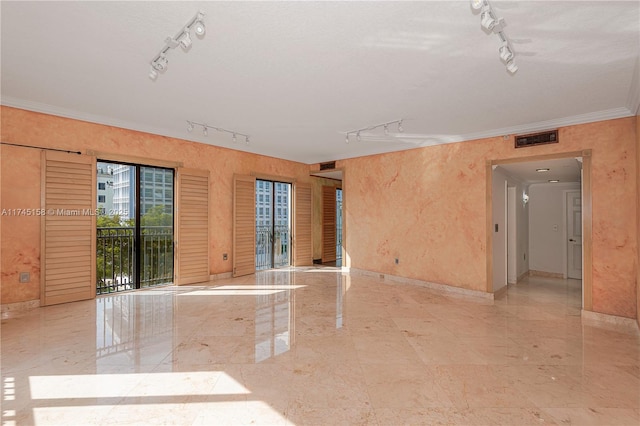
20 183
638 214
424 206
427 207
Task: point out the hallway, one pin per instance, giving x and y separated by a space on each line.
318 346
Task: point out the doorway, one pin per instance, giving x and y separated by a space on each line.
273 224
540 203
134 227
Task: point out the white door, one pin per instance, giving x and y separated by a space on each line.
574 235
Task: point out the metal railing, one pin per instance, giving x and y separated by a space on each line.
272 246
116 257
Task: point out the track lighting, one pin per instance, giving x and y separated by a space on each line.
490 22
183 39
207 127
160 63
477 4
199 26
487 20
505 53
376 126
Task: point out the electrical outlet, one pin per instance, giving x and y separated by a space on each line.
224 256
25 277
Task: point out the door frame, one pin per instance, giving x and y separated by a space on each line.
587 240
137 228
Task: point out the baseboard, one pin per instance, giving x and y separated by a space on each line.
222 276
9 308
501 292
522 275
545 274
444 288
614 322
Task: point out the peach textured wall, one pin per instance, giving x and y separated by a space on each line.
20 169
426 206
638 214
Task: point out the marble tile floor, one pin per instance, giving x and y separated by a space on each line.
315 346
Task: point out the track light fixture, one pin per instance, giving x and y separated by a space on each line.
477 4
375 126
490 22
506 54
199 27
183 38
207 127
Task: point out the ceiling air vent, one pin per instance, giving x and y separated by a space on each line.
328 166
537 139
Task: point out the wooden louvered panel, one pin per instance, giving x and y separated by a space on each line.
192 265
328 224
302 245
244 225
68 229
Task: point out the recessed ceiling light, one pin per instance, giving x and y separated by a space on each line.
553 181
542 170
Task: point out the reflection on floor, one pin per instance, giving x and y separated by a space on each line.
316 346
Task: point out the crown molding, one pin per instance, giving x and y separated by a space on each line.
102 120
419 140
609 114
633 102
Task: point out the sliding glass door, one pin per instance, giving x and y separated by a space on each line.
273 224
134 226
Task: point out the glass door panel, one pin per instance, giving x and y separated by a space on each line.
134 227
156 226
273 224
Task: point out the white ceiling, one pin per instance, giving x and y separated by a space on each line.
563 169
297 75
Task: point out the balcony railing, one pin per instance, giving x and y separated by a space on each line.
116 257
272 246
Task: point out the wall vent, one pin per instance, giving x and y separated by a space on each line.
328 166
537 139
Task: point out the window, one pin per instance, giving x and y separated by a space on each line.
101 198
101 185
